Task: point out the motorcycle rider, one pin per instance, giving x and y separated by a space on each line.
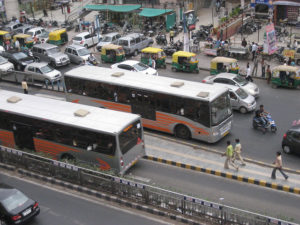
263 114
92 59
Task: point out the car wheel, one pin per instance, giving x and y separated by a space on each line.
182 131
286 149
135 53
243 110
274 129
86 46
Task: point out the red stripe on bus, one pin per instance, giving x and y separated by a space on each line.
7 138
103 165
156 128
114 105
43 145
75 101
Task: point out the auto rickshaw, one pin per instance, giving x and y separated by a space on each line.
112 53
185 61
156 53
223 65
25 40
58 37
4 36
286 76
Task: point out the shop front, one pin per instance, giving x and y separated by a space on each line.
287 10
262 8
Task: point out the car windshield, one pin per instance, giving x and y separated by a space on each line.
123 42
83 52
53 50
44 35
30 33
20 55
140 66
15 200
220 109
107 39
46 69
240 80
77 38
241 93
2 60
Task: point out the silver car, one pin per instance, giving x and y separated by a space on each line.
110 38
42 72
234 80
77 53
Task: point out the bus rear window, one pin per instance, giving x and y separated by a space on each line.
131 136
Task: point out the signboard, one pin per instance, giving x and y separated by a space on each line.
271 38
288 53
190 18
266 2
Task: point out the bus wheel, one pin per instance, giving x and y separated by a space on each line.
182 131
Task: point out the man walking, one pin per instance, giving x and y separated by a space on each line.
229 154
237 152
254 49
263 68
172 33
24 86
278 166
248 75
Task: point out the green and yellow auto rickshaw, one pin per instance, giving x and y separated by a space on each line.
154 53
286 76
25 40
185 61
58 37
4 36
223 65
112 53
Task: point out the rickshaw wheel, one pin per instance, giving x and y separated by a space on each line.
174 69
165 66
298 87
274 86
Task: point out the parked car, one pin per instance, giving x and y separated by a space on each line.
77 53
291 140
12 26
134 43
51 54
234 80
23 29
110 38
133 65
36 31
42 72
85 39
19 59
16 207
5 66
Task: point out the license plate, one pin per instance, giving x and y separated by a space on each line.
227 132
26 212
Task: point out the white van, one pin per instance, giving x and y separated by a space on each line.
239 99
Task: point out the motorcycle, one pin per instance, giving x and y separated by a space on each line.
269 123
161 39
92 61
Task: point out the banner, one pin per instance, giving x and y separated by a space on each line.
271 38
190 20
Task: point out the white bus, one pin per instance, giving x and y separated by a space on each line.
108 139
184 108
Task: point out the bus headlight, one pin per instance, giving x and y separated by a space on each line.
216 133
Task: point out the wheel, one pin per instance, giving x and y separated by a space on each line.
135 53
274 129
182 131
298 87
287 149
86 46
174 69
243 110
274 85
165 66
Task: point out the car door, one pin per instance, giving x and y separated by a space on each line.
31 71
77 59
39 75
88 40
234 100
95 39
295 142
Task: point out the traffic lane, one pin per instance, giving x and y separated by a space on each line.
63 207
209 187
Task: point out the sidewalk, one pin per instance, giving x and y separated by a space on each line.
211 162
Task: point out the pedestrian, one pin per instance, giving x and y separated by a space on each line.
172 33
269 74
248 75
278 166
68 9
293 62
62 8
254 49
237 152
45 13
153 63
263 68
17 45
289 61
244 43
7 44
229 155
35 39
25 86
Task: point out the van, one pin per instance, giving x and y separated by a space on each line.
239 99
77 53
110 38
134 43
51 54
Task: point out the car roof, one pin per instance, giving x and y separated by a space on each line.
130 62
73 46
226 75
38 64
44 46
111 34
36 28
6 190
130 36
230 87
82 34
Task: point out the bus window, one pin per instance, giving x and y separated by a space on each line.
130 137
105 144
162 102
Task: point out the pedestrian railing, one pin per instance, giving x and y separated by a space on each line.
169 201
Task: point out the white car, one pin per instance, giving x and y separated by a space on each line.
43 72
5 66
235 80
38 31
133 65
85 39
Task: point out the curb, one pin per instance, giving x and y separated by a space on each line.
103 196
219 173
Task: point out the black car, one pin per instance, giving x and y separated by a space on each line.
19 59
291 140
16 207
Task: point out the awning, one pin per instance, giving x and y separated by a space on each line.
289 3
150 12
113 8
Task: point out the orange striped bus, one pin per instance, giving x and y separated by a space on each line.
184 108
108 139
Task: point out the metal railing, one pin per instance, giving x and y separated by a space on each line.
160 198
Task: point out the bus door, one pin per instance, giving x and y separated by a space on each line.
23 135
143 103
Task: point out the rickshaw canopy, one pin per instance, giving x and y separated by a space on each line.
55 35
23 36
111 46
286 68
2 32
182 54
151 50
223 60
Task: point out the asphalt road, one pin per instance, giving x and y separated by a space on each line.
70 208
245 196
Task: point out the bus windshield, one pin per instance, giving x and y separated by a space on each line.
220 109
131 136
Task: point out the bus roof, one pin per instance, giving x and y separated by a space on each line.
182 88
105 120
